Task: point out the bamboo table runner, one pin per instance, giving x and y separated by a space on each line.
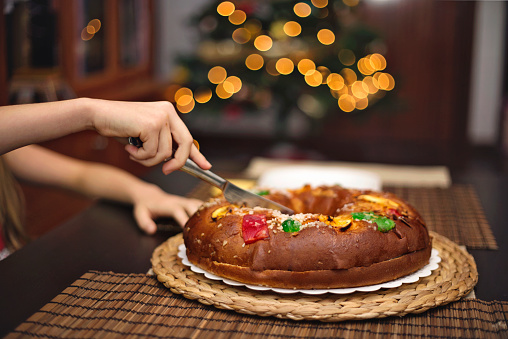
455 212
101 304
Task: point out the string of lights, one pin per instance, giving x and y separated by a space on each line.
304 43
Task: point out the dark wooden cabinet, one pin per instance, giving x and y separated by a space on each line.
106 48
101 49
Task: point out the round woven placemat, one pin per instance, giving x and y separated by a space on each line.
455 277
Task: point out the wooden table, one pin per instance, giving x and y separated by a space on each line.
105 238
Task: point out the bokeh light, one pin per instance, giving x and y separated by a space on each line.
217 74
233 84
359 89
378 61
228 87
320 3
95 24
306 65
347 103
302 9
335 81
313 78
263 43
226 8
203 95
349 76
351 3
186 108
326 37
385 81
325 72
237 17
183 91
362 104
254 62
365 66
85 36
222 92
184 100
292 28
91 29
241 35
372 84
285 66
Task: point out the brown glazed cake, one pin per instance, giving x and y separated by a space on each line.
337 238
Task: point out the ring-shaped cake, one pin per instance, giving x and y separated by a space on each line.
337 238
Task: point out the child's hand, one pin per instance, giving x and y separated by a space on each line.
154 203
157 125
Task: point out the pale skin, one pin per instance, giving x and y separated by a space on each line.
156 124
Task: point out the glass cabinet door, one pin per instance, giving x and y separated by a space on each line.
92 29
133 21
106 47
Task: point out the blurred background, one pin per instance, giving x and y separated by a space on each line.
421 82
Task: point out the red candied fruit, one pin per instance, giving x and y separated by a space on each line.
254 228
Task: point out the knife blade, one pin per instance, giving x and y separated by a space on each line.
231 192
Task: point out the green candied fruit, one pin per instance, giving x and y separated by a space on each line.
363 215
384 224
290 225
264 192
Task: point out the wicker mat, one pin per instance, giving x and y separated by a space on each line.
455 278
101 304
455 212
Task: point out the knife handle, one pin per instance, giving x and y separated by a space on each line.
190 167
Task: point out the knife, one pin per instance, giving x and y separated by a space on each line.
232 193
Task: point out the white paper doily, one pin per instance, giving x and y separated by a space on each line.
425 271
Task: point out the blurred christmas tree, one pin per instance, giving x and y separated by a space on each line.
280 56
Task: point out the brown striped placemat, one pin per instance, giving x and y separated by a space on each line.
455 212
101 304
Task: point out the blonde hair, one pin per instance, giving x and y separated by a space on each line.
11 209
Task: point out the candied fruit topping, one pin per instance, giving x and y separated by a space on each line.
290 225
378 200
221 212
384 224
254 228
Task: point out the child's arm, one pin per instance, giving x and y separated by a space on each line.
40 165
156 123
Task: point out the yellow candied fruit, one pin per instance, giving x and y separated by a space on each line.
338 221
378 200
341 221
221 212
324 218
